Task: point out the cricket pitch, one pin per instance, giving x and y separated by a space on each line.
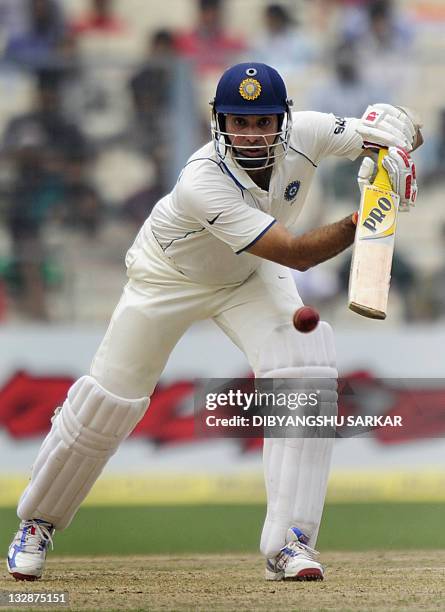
377 580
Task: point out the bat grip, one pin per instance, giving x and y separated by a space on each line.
382 178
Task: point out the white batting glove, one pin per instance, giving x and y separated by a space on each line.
413 115
365 173
384 125
402 174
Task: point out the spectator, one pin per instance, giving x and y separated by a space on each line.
46 151
436 289
82 205
41 44
383 41
283 45
208 44
151 90
432 160
382 28
100 19
13 20
345 93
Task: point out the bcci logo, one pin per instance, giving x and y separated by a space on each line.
291 191
250 89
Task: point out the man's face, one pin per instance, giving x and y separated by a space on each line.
253 133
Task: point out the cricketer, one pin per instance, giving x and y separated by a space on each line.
220 246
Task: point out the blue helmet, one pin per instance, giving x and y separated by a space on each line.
251 88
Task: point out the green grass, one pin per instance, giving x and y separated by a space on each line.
210 529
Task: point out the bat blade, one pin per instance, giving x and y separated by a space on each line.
373 250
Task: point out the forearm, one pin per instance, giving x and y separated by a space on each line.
309 249
321 244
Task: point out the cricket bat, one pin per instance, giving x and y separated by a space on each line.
373 249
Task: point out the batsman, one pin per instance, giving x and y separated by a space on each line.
220 246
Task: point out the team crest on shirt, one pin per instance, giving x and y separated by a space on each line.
250 89
291 191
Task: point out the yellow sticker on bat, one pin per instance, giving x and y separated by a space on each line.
378 213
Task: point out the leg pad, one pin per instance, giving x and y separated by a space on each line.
86 432
297 469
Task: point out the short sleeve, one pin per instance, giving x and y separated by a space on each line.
321 134
220 208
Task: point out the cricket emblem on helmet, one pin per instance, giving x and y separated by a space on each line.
290 193
250 89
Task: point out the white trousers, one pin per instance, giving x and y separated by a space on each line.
159 303
157 306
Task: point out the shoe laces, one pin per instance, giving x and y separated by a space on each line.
41 538
294 548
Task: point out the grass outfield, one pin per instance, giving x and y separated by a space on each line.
137 530
376 581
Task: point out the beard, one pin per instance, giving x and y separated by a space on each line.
253 163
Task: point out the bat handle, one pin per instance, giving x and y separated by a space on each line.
381 178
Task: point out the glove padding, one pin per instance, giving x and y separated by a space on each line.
384 125
401 171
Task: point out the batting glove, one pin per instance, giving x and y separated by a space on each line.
401 171
402 174
365 172
384 125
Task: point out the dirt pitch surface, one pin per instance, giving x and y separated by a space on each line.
354 581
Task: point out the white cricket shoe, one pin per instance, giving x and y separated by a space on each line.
295 561
27 553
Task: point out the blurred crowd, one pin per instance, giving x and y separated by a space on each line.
92 137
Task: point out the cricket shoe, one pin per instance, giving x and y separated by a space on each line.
295 561
27 553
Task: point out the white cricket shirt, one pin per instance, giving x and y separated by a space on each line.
215 211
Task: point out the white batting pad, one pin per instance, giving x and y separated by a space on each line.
297 469
85 433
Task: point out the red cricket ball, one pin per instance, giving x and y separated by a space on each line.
306 319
